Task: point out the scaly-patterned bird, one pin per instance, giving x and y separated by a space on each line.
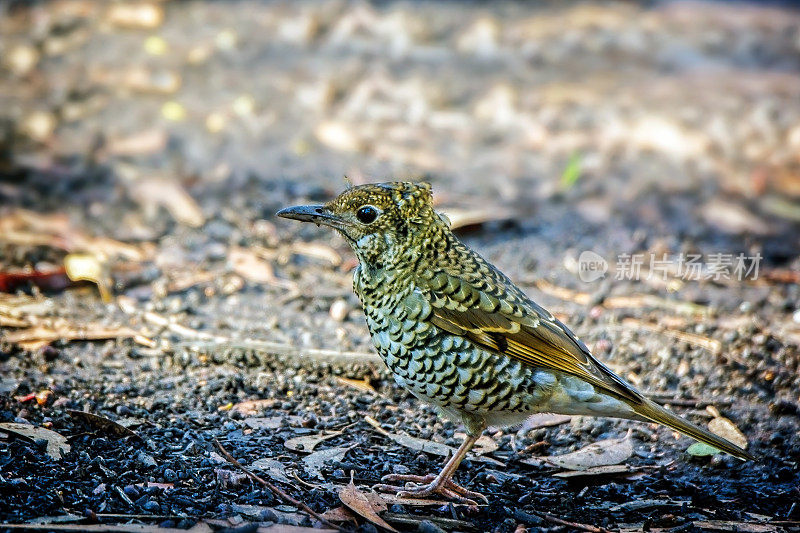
458 334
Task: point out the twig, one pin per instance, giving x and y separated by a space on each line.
574 525
275 490
282 349
667 399
712 345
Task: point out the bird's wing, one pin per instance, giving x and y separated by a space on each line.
517 327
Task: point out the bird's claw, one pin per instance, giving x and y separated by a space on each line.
423 486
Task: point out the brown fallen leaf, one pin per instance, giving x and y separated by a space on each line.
57 445
485 444
253 407
153 192
726 429
28 228
339 514
104 424
600 453
307 443
254 268
357 501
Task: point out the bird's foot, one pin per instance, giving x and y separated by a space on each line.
423 486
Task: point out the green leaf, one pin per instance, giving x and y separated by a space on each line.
572 172
701 449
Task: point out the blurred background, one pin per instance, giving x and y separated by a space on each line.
145 146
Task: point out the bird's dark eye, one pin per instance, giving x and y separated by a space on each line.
367 214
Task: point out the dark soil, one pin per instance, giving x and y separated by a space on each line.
618 128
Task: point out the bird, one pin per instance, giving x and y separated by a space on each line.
460 335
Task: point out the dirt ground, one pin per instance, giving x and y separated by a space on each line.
145 147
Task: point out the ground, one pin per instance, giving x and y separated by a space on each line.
148 146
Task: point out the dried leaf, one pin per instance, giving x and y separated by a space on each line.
485 444
162 486
273 468
253 407
272 422
600 453
414 502
727 430
359 384
358 502
607 470
544 420
104 424
314 462
317 250
338 514
89 267
734 526
28 228
307 443
463 217
251 267
57 445
68 332
428 446
153 191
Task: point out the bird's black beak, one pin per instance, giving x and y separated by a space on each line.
309 213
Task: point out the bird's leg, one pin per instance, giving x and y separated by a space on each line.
442 484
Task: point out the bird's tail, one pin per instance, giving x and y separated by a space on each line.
652 411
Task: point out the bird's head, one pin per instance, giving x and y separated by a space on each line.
383 222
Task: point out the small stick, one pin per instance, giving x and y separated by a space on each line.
276 490
574 525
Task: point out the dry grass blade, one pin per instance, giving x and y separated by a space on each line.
712 345
68 332
27 228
